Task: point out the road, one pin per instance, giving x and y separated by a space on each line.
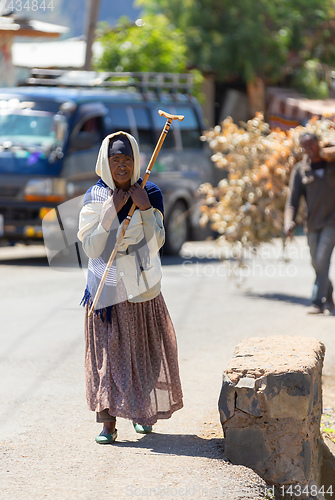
47 433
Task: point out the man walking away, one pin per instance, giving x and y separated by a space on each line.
314 178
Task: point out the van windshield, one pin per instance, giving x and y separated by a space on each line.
27 128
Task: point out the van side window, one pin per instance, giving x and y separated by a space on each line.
144 128
120 119
89 135
189 128
94 127
159 121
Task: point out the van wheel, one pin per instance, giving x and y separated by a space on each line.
176 229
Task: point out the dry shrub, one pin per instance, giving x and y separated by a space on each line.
247 206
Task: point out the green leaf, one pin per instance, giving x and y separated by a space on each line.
269 38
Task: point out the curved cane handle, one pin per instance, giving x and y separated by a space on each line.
171 117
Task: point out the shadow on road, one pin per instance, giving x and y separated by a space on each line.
43 261
189 445
27 262
282 297
39 260
175 260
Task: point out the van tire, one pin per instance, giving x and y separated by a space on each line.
177 228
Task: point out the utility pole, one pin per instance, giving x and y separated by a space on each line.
93 7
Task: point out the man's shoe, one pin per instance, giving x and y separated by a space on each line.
142 429
105 438
328 308
313 309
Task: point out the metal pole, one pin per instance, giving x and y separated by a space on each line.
93 7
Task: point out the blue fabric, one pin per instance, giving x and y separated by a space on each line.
88 299
318 165
154 193
120 145
96 194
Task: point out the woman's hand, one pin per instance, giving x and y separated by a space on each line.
113 206
139 196
119 198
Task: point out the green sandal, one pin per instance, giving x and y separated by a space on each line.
142 429
105 438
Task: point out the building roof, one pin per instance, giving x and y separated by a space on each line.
288 108
20 26
61 54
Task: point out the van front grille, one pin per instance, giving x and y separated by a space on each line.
9 191
13 214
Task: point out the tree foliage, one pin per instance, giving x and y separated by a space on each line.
273 39
154 45
247 206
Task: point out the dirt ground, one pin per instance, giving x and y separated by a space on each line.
47 442
328 417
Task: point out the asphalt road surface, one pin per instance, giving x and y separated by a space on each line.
46 431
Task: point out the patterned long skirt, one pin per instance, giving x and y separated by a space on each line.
131 364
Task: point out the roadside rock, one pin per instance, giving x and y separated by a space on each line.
274 424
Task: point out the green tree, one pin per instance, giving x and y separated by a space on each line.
277 40
153 45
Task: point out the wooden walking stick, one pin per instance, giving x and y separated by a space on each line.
169 120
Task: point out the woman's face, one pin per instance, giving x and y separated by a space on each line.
122 168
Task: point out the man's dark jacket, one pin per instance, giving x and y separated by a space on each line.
318 188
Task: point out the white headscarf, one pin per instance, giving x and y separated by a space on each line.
91 213
102 166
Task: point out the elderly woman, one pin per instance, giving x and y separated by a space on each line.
131 361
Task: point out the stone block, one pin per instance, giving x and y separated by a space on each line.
226 399
286 395
246 399
270 408
247 446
